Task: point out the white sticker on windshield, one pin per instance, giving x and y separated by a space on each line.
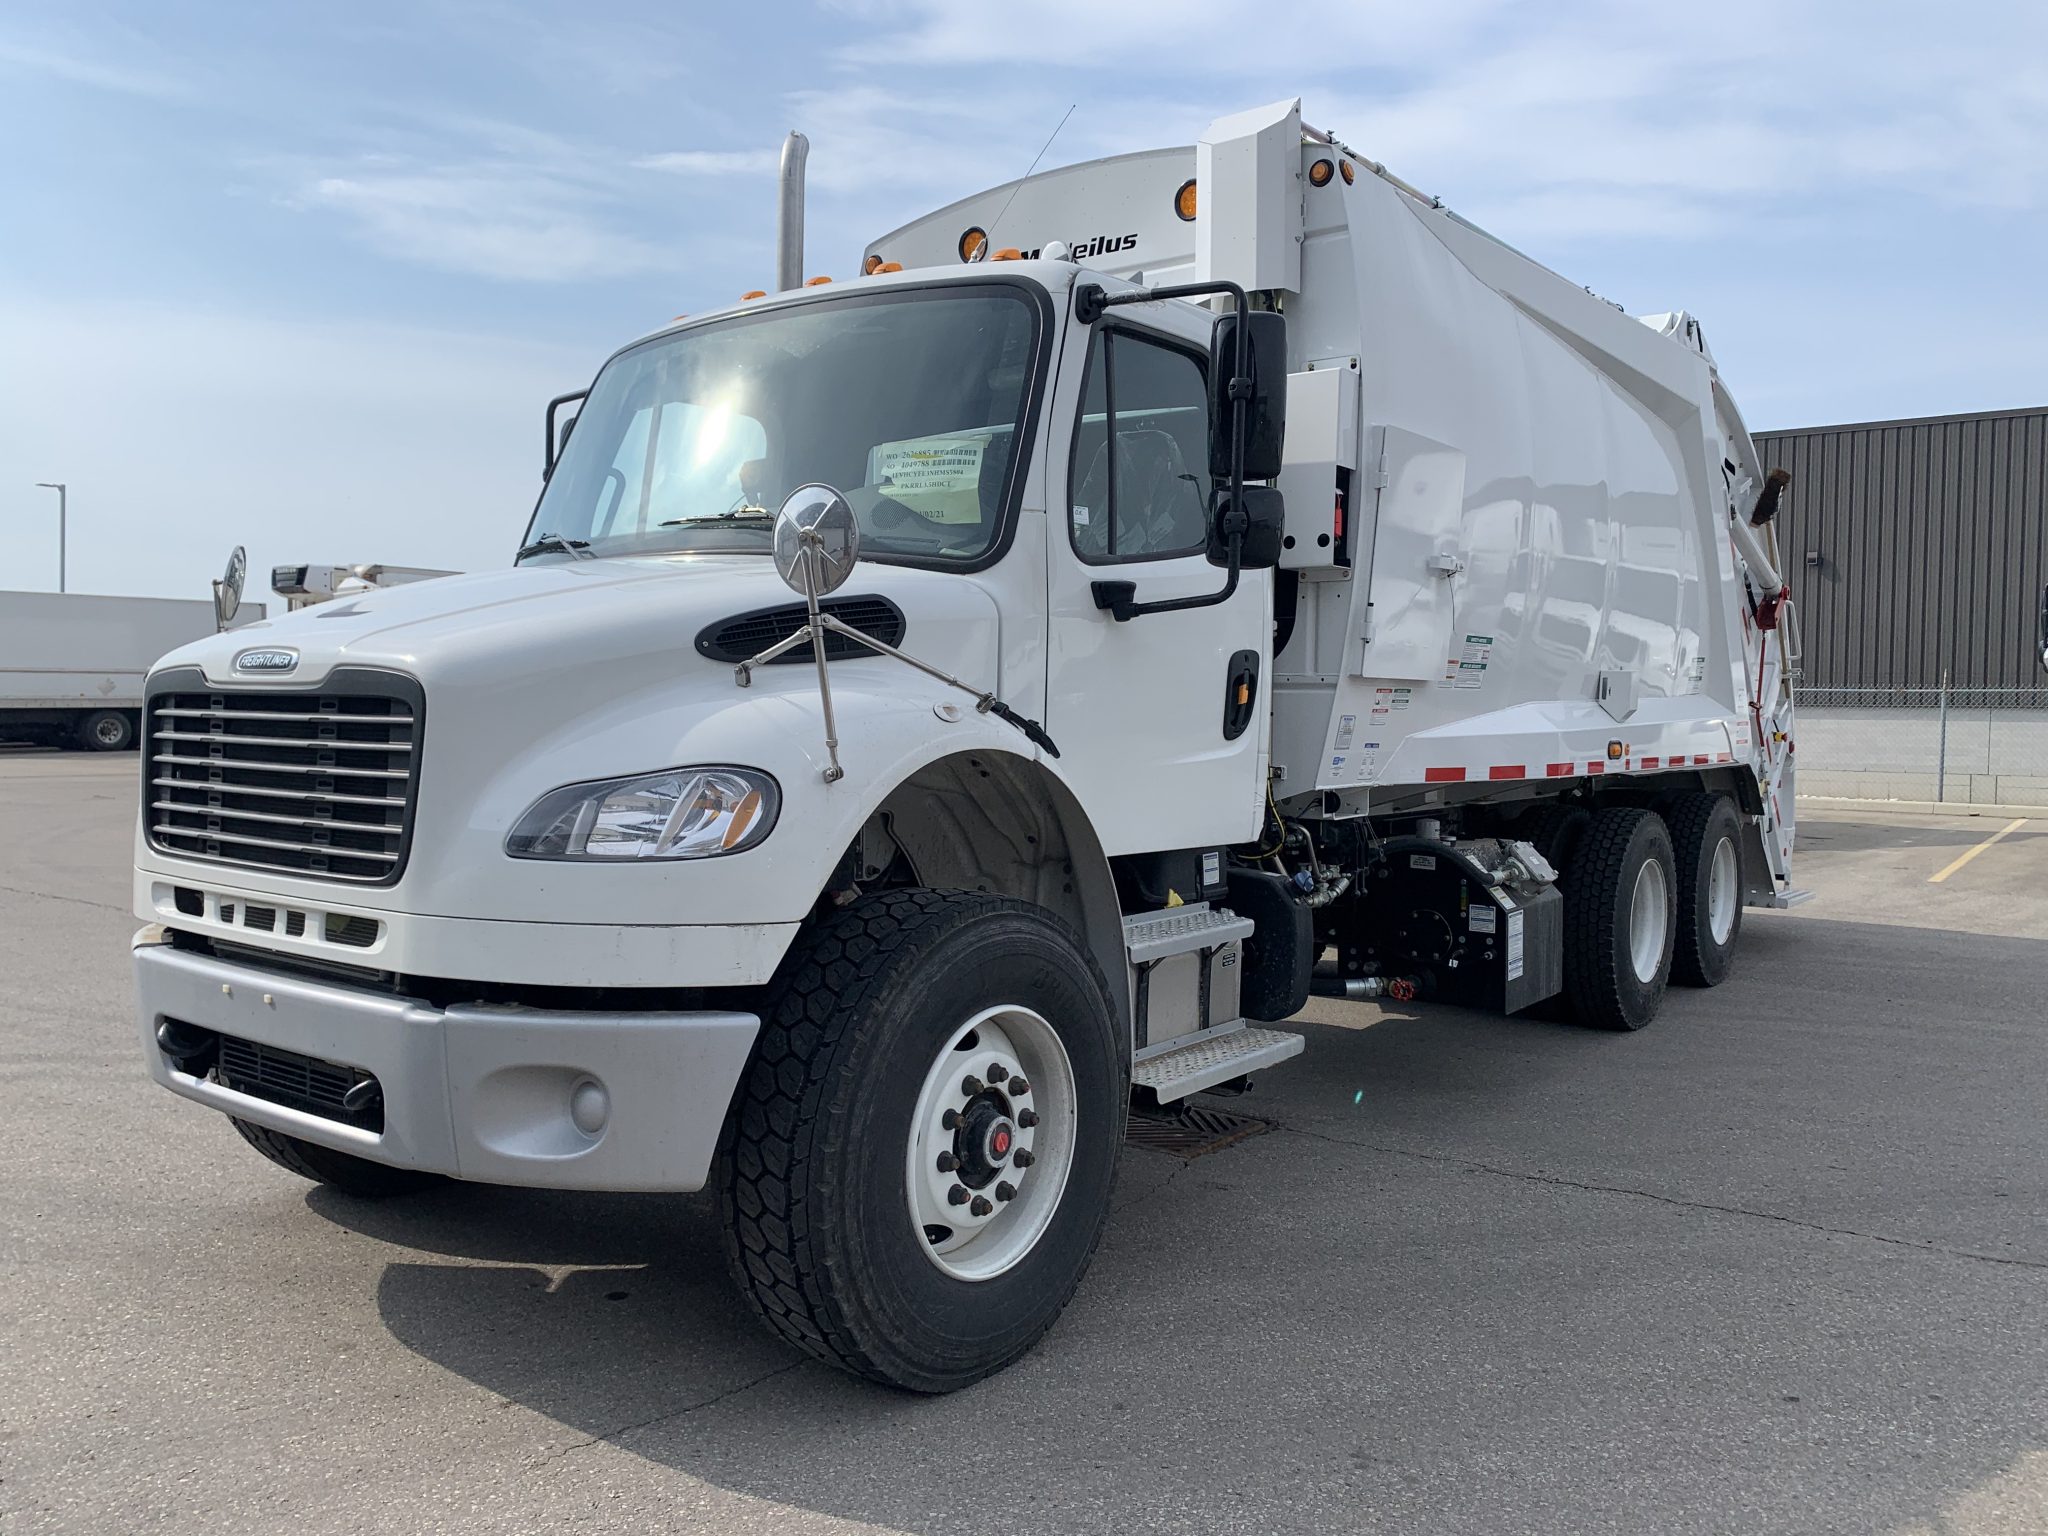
921 465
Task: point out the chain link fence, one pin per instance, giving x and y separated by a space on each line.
1972 746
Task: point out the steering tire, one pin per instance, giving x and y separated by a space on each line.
917 1170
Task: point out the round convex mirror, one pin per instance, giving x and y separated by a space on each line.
227 592
816 528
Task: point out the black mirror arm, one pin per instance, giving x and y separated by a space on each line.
547 466
1118 597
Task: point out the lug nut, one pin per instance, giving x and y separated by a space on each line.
1006 1191
972 1086
981 1206
1022 1157
997 1072
1027 1118
1018 1087
957 1195
950 1119
948 1162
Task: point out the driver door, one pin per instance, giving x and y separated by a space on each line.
1161 720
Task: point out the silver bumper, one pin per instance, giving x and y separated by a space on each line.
475 1092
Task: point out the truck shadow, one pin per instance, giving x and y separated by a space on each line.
1404 1309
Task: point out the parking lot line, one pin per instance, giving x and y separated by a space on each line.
1961 860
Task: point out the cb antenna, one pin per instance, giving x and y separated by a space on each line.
995 223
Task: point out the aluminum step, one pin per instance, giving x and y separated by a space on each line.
1180 931
1782 899
1214 1059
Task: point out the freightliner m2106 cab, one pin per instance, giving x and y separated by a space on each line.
930 708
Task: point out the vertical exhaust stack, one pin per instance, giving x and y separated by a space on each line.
789 214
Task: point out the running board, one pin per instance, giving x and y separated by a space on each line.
1174 1074
1780 900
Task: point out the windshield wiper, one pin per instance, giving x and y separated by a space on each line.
580 548
739 517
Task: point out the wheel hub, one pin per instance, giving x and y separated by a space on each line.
991 1142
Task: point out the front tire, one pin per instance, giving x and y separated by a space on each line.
1620 914
344 1171
1706 845
891 1046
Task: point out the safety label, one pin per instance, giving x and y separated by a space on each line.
1514 946
1346 725
1467 669
1482 919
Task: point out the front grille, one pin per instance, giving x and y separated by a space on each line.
323 1088
319 783
746 635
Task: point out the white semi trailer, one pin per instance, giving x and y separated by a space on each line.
72 664
1221 574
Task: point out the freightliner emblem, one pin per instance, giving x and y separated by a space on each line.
273 660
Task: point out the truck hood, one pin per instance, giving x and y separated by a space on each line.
566 673
494 627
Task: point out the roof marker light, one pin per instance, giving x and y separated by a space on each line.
1008 253
816 282
752 293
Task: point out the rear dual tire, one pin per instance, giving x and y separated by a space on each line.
1620 918
1706 843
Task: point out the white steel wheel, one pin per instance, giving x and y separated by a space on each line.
991 1141
1724 891
1649 921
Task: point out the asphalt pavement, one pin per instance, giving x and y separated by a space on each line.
1777 1264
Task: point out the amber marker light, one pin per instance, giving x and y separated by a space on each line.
1184 201
1344 169
973 243
1320 173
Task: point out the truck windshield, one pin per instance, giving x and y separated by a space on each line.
909 403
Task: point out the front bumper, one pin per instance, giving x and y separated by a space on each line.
474 1092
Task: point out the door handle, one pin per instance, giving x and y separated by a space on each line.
1240 693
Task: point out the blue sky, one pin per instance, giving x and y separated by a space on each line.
302 277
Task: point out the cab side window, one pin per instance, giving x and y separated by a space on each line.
1140 469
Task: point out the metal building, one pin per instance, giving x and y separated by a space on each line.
1917 546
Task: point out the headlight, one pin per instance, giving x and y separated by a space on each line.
681 813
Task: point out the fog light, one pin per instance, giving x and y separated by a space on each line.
590 1106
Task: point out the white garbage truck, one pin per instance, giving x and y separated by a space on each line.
933 707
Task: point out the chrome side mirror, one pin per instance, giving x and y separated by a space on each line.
817 540
227 592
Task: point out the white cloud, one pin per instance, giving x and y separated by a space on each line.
75 69
712 162
1604 118
498 223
